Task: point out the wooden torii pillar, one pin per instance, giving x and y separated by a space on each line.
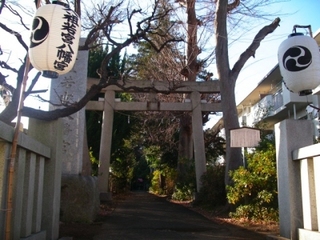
195 106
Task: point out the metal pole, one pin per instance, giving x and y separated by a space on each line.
14 147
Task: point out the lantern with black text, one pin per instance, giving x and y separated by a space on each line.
54 39
299 63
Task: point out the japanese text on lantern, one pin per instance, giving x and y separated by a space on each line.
65 51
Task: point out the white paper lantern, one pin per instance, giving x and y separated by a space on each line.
54 39
299 63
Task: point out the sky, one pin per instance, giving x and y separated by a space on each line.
294 12
291 12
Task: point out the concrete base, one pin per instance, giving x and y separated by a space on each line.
308 235
79 198
36 236
273 237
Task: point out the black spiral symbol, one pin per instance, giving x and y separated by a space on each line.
297 58
40 31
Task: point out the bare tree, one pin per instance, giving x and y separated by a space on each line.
190 72
103 23
228 75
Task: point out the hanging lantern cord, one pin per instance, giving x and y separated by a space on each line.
302 26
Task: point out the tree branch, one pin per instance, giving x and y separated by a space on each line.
251 50
16 34
3 2
33 83
77 8
6 66
62 112
233 5
104 25
16 13
4 83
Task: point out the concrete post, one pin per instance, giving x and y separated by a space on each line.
198 139
105 145
290 135
4 155
50 134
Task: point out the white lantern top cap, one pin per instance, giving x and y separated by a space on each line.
61 2
295 34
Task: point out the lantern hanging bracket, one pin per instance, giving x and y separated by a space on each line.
302 26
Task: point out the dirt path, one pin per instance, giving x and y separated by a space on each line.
144 216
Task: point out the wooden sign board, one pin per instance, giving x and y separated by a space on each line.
244 137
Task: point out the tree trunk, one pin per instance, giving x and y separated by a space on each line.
227 85
228 77
185 143
193 50
192 69
230 119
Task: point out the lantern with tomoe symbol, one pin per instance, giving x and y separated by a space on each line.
299 63
54 39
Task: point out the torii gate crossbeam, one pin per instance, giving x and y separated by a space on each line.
195 89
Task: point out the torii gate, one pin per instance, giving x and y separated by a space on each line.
196 106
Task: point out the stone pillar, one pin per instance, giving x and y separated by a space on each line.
69 88
198 139
105 145
290 135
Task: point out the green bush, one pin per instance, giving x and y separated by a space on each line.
121 174
183 193
94 163
254 192
162 182
185 186
156 183
170 175
212 193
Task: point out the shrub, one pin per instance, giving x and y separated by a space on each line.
254 192
156 183
121 174
163 181
213 191
186 183
94 163
183 193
